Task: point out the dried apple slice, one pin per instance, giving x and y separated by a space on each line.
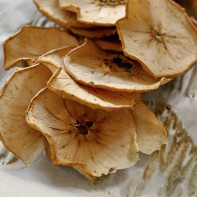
95 141
23 141
90 177
160 35
98 12
151 133
54 57
50 8
31 42
95 98
98 32
110 44
90 65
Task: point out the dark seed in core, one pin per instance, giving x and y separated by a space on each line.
83 126
121 63
89 124
82 129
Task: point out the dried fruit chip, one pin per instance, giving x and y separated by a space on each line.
95 141
23 141
110 44
98 12
66 87
90 65
98 32
54 57
160 35
91 178
151 133
51 9
95 98
31 42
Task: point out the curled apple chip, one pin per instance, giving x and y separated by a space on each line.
151 133
95 141
110 44
98 12
30 42
88 176
98 32
95 98
92 66
54 57
160 35
50 8
23 141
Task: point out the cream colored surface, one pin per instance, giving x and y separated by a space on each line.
51 9
151 133
86 65
66 87
17 136
160 35
31 42
90 11
108 146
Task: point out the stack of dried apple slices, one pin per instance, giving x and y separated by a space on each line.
82 103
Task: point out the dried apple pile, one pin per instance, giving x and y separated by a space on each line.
81 103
